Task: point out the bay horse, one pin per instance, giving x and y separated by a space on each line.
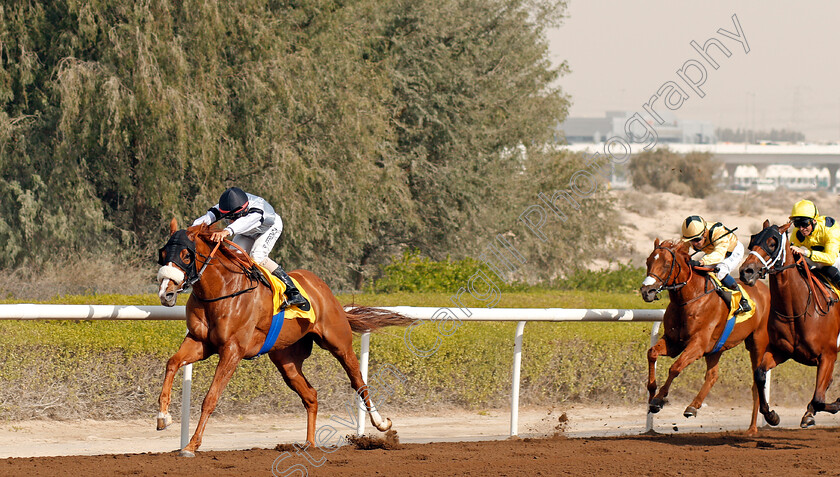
695 321
230 313
803 325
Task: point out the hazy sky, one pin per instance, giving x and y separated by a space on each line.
621 52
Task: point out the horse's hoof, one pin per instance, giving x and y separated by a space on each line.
807 421
387 425
773 419
656 405
163 421
186 453
690 411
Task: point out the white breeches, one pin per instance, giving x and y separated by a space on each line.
259 247
731 262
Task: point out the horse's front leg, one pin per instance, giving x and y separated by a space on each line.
229 358
767 362
692 352
712 371
190 351
663 347
825 369
652 355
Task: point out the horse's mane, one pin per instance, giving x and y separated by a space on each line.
675 245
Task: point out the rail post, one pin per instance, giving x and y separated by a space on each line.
514 388
365 354
654 337
186 390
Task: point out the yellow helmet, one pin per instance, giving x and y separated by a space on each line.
804 208
693 227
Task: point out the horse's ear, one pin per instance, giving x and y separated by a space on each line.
766 223
656 242
683 246
173 226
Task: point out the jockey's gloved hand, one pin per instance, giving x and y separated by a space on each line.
694 263
801 251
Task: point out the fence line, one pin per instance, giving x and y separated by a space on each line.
27 311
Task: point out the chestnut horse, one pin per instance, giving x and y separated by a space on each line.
694 322
230 313
803 326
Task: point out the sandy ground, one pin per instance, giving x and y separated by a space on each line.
61 438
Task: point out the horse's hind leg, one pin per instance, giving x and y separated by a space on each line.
712 369
189 352
341 346
289 362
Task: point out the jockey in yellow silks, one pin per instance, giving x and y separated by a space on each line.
722 251
817 239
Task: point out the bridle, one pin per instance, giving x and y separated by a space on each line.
773 265
777 255
179 241
677 286
664 281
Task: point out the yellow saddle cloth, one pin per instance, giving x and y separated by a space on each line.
736 301
278 288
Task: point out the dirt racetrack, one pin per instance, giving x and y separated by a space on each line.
788 452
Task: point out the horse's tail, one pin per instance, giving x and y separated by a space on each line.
365 318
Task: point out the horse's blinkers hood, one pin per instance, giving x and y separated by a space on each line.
761 238
171 253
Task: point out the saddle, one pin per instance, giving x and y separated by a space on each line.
278 288
822 283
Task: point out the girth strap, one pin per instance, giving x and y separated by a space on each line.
273 333
730 325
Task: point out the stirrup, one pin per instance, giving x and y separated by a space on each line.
296 300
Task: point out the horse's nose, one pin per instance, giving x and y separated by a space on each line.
748 274
169 296
648 293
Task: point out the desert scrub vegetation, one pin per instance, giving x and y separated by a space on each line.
693 174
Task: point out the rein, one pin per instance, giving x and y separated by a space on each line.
246 268
706 289
677 286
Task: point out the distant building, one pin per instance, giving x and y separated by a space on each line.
595 130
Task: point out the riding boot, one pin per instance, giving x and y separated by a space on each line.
833 275
729 282
293 296
743 306
727 297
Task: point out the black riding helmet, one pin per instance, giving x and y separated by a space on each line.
233 203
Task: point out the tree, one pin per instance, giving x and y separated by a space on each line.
370 125
684 174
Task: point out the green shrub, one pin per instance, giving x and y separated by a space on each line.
625 279
412 272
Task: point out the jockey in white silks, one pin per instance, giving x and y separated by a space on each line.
254 226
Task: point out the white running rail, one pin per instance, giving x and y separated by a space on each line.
519 315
